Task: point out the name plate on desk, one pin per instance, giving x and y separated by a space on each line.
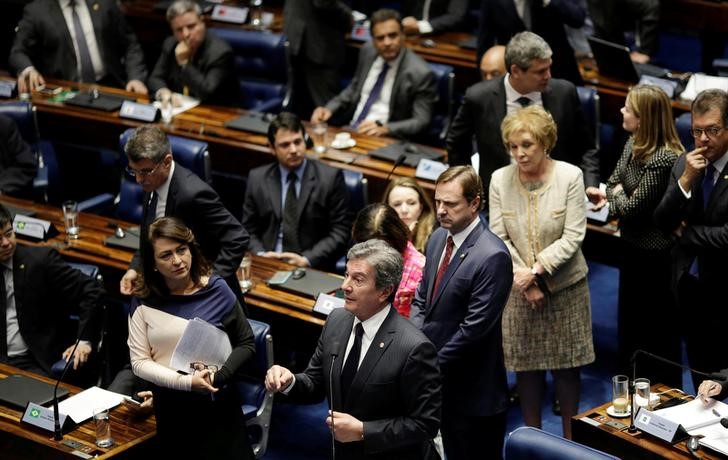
326 303
429 169
656 425
227 13
42 417
7 88
137 111
31 227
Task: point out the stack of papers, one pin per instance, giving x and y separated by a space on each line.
700 419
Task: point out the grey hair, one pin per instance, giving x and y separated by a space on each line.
525 47
147 142
181 7
384 259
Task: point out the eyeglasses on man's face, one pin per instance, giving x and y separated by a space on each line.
711 132
145 172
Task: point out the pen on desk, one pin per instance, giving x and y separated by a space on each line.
379 123
716 413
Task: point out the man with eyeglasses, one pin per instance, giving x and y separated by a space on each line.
171 190
695 209
37 290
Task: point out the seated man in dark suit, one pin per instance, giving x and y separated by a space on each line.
433 17
296 209
18 166
75 40
528 81
393 90
194 62
36 287
385 395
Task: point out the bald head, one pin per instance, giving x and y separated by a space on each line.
493 63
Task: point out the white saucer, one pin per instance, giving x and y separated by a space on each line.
344 145
610 411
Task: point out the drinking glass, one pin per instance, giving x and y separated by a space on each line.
70 219
244 278
103 427
642 393
620 394
318 131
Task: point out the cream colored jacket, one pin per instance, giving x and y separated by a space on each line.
545 225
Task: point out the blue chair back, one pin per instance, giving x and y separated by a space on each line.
357 186
23 114
442 113
683 123
528 443
589 99
261 64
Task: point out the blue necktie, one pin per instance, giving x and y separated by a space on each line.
87 68
708 184
373 95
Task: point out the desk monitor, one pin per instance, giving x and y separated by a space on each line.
613 60
17 390
311 284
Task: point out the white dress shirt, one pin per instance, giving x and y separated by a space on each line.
379 111
88 30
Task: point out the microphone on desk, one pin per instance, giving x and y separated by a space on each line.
399 161
58 434
334 355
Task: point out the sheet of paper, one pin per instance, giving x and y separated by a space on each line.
201 342
695 414
80 406
186 104
700 81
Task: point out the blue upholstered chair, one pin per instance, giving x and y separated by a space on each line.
528 443
190 153
23 114
683 123
357 187
442 114
589 99
261 64
256 400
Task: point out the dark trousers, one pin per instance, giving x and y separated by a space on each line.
473 438
313 85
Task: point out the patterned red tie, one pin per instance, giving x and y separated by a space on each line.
443 266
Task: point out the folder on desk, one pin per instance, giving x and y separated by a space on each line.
413 153
105 102
253 122
130 240
311 284
17 390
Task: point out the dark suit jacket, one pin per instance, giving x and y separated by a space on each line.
46 289
706 235
43 41
18 166
499 21
413 93
316 29
396 391
445 15
324 220
222 239
464 320
210 75
484 108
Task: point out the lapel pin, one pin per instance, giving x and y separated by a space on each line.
95 7
381 344
22 266
462 256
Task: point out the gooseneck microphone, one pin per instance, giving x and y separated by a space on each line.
56 419
398 162
334 355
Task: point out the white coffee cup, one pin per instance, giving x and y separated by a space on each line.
342 138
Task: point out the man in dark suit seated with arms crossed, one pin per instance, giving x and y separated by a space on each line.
393 90
80 40
528 61
296 209
18 166
386 385
37 289
465 285
194 62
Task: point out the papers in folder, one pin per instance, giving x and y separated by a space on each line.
201 342
81 406
700 419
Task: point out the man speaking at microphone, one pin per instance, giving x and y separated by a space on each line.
36 290
378 371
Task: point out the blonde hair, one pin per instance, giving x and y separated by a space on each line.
533 120
426 222
656 129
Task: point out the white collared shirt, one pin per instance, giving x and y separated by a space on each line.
88 30
512 96
379 111
162 192
371 326
16 344
459 238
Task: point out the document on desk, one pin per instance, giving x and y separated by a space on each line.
696 415
186 103
80 406
201 342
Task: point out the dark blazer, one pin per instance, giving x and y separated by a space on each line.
210 75
706 235
413 93
444 15
316 29
396 391
222 239
464 320
43 41
484 108
499 21
18 165
46 289
324 220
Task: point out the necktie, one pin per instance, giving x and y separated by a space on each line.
151 212
708 184
352 362
3 317
290 216
527 14
87 68
524 101
443 266
373 95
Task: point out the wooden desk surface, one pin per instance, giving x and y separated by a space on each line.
19 440
590 428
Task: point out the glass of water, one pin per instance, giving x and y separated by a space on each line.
103 428
318 132
642 393
244 277
70 219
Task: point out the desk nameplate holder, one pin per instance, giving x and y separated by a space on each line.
326 303
232 14
138 111
37 229
42 417
660 427
429 169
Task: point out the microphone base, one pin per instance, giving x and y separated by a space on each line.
632 429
